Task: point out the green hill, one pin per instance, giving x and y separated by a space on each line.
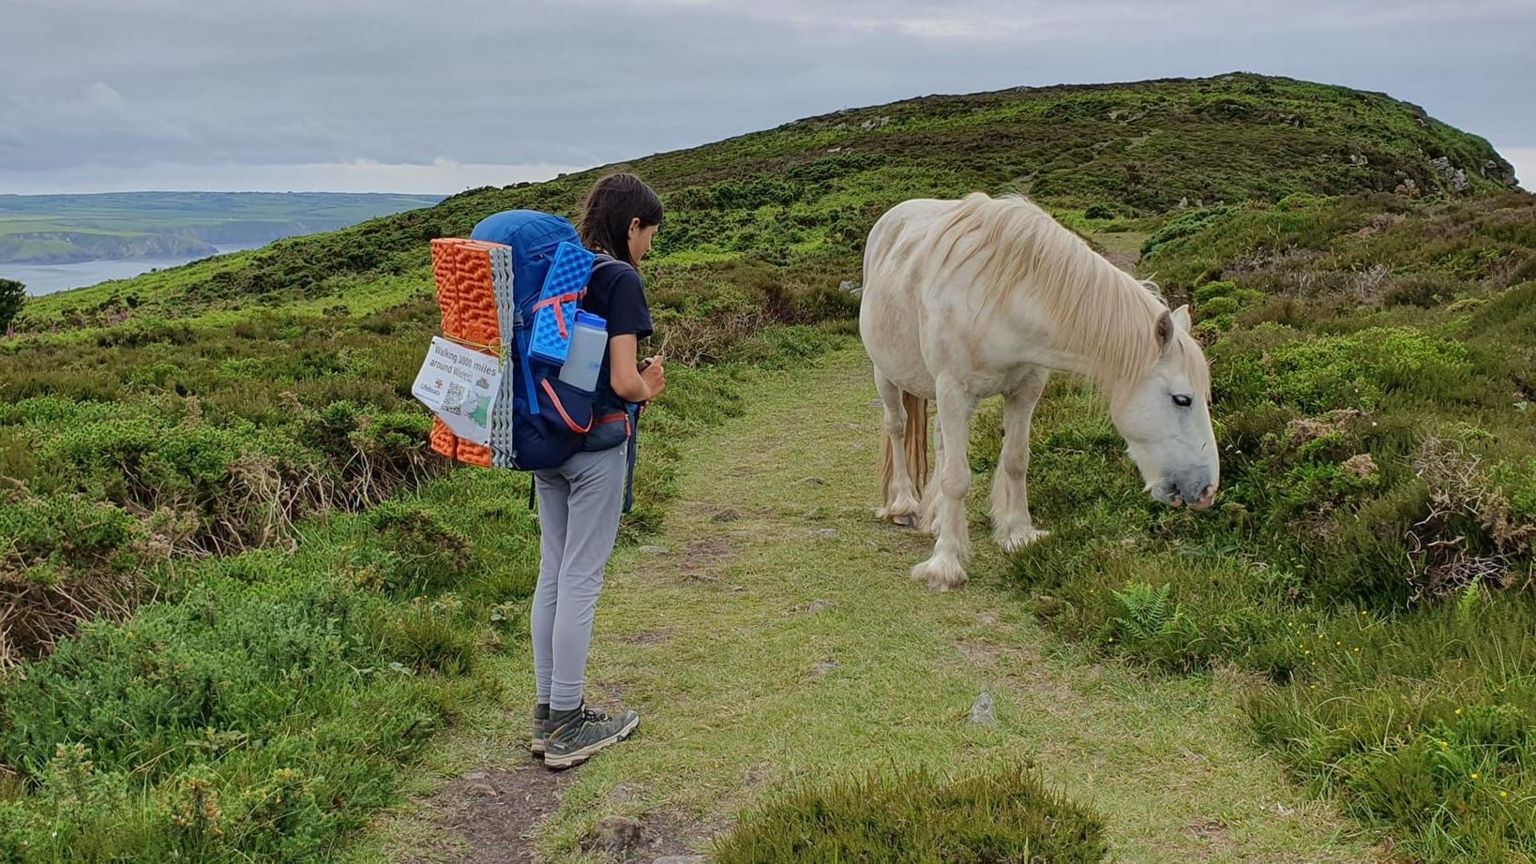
235 441
55 229
799 198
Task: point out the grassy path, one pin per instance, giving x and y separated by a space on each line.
778 638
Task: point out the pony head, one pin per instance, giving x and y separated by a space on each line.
1165 419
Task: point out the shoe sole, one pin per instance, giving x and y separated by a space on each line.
536 748
571 760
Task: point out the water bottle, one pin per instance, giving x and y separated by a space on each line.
589 341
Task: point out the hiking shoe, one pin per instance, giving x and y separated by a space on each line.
540 730
575 735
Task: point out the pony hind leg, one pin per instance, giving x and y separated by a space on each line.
946 568
1012 526
898 493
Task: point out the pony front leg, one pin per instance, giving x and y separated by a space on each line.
1012 527
946 569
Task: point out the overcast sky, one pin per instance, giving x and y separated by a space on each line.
424 96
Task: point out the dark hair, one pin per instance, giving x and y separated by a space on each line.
613 203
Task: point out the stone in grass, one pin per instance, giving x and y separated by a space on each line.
982 712
730 515
653 550
813 481
616 834
818 606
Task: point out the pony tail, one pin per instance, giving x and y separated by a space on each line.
916 455
917 441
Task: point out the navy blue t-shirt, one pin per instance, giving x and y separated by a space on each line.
616 293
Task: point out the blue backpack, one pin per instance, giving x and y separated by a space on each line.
550 420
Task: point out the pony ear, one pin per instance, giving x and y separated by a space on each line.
1164 330
1181 318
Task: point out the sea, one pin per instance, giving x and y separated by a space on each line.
43 279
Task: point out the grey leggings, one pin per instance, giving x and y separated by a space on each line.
579 505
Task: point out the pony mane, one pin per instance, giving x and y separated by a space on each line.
1103 314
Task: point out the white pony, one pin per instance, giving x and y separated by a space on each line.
968 299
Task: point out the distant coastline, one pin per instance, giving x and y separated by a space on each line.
149 227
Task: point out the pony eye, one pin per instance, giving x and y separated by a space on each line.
1183 401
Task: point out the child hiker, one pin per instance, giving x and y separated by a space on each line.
580 501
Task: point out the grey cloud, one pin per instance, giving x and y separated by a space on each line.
129 83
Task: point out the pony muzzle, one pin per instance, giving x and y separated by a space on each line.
1174 496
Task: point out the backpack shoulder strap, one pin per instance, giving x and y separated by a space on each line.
604 260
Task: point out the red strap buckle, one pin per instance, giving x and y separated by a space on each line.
557 301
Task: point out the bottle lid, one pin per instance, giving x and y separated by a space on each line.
596 322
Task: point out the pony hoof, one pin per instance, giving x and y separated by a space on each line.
1017 539
904 520
940 574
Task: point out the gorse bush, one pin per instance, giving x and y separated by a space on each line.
1005 816
67 558
1358 370
425 555
241 484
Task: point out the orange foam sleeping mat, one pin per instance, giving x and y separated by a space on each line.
465 274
